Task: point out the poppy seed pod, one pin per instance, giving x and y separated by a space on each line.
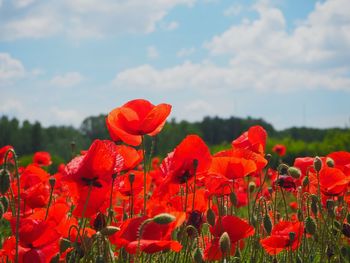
4 181
225 243
163 219
317 163
109 230
282 168
294 172
310 225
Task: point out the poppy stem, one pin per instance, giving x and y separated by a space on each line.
285 203
110 210
18 196
144 174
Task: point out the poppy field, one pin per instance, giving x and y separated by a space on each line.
116 202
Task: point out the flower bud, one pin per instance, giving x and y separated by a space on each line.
211 217
233 198
52 181
2 210
294 172
4 181
267 224
306 181
163 218
5 202
198 256
100 222
109 230
225 243
282 169
310 226
291 237
330 162
251 187
314 208
346 229
317 164
64 244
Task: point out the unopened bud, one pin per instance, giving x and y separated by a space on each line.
346 229
100 222
330 162
4 181
109 230
330 207
198 256
225 243
64 244
314 200
267 224
211 217
282 169
306 181
2 210
52 181
268 157
317 163
233 198
291 237
294 172
5 202
163 218
251 187
310 226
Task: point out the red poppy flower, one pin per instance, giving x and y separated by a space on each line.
280 149
341 161
3 151
333 181
236 228
42 158
97 165
179 166
154 238
136 118
281 237
254 139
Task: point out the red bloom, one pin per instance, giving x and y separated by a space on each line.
281 238
42 158
333 181
280 149
136 118
3 151
254 139
179 166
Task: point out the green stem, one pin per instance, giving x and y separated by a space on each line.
285 203
144 175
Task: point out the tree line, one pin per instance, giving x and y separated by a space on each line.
217 132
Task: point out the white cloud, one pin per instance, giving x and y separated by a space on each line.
10 106
66 116
233 10
22 3
10 68
69 79
185 52
171 26
83 18
152 52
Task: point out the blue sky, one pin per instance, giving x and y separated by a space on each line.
286 61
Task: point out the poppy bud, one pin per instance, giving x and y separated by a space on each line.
233 198
346 229
330 162
64 244
5 202
251 187
2 210
337 224
254 220
317 163
4 181
282 168
211 217
100 222
225 243
268 157
52 181
314 200
306 181
109 230
291 237
163 218
294 172
310 225
131 178
198 256
267 224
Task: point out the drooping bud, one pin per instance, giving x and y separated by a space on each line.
109 230
317 164
4 181
163 218
198 256
330 162
211 217
251 187
225 243
310 225
294 172
267 224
